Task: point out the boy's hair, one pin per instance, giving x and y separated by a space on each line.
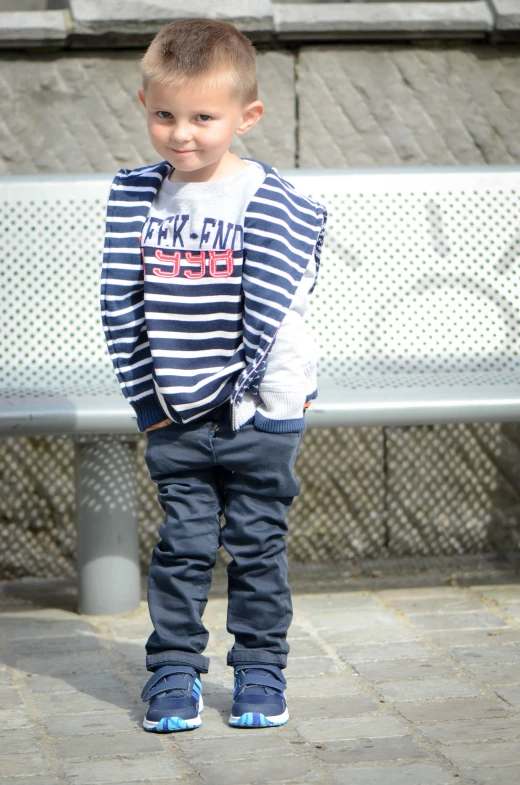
189 49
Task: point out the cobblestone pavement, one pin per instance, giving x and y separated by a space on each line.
397 677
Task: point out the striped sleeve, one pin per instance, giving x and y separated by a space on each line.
283 230
122 292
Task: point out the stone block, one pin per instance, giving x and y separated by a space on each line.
386 670
310 666
362 106
34 28
412 774
321 708
127 770
458 709
426 689
472 730
370 750
498 775
24 764
97 722
391 651
51 704
448 604
509 694
473 620
486 655
333 686
381 20
448 638
507 17
107 745
261 772
372 727
89 119
506 753
501 673
19 741
11 719
268 745
146 17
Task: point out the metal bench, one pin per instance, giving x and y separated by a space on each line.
416 314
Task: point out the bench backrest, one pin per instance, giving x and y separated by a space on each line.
419 277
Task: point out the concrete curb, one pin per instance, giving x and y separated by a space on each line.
34 28
132 23
472 18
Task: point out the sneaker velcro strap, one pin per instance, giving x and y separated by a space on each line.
258 678
169 677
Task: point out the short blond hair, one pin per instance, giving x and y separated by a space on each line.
191 49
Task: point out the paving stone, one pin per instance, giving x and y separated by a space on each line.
99 722
469 637
18 741
370 750
501 673
510 694
340 601
34 28
449 604
356 728
426 689
82 703
32 781
121 770
259 772
507 17
333 686
301 709
61 664
456 621
479 655
13 718
310 666
305 647
44 647
504 753
390 651
456 709
110 745
9 697
235 748
419 593
24 764
21 627
509 592
386 634
498 775
74 682
414 774
353 620
473 730
405 669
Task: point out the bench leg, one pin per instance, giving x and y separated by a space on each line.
108 548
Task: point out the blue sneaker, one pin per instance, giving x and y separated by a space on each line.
259 700
174 692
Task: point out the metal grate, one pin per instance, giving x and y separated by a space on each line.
418 283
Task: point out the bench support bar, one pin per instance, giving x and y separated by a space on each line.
108 549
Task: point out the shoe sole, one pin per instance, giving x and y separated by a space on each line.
173 724
256 720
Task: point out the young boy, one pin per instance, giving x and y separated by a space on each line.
208 262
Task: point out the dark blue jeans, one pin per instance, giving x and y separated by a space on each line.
202 470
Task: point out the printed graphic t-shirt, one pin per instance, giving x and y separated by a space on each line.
192 247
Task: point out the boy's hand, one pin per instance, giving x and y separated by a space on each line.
161 424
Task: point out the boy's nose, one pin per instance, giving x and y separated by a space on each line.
181 133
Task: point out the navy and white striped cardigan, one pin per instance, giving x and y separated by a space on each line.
282 231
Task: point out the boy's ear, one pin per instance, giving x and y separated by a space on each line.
251 115
142 97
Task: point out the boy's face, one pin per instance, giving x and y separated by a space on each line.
192 126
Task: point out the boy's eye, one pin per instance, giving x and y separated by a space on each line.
164 115
204 117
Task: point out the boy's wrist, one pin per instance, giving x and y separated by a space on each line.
161 424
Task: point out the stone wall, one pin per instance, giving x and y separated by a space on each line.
367 492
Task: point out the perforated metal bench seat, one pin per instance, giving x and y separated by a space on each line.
415 313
